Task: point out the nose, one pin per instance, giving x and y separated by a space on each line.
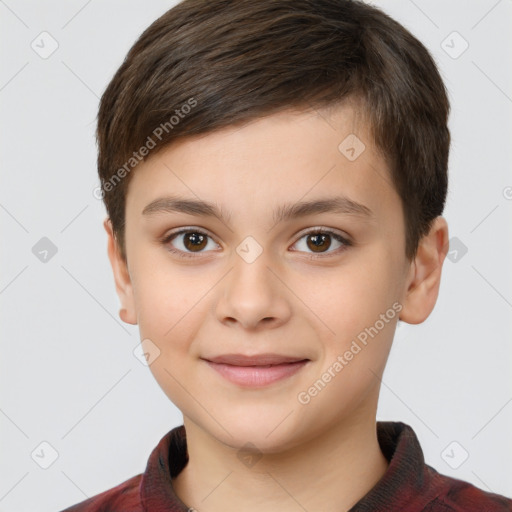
252 297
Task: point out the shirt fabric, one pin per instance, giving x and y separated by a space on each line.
407 485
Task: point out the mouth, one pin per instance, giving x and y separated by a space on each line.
256 371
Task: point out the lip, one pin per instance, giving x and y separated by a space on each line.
257 370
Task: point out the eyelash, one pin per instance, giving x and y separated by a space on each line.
317 231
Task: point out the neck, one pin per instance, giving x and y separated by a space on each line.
344 463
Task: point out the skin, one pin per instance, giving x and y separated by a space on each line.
284 302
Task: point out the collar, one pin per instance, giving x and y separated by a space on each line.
406 485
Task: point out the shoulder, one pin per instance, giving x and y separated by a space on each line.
125 497
453 495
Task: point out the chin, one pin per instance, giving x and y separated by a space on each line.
266 434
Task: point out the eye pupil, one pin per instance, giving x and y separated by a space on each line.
322 242
197 241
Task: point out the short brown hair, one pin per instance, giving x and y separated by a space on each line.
207 64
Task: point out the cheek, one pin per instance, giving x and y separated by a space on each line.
171 317
359 305
351 297
167 296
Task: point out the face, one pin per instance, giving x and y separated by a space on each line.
275 243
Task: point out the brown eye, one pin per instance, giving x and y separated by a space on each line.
194 241
189 242
322 242
318 242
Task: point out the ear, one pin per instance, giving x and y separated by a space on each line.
121 277
425 274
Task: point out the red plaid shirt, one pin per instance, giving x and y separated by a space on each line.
408 485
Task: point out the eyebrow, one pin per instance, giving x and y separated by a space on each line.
338 204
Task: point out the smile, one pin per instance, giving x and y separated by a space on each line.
256 371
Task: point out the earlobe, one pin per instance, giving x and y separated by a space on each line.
122 278
423 282
125 317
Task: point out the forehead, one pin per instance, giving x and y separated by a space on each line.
254 168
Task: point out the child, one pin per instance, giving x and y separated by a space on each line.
274 174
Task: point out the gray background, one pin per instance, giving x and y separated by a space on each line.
68 374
